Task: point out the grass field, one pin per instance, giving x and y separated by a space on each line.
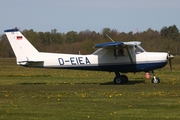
48 94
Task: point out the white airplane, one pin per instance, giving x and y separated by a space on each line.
117 57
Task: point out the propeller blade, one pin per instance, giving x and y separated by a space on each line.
170 64
170 57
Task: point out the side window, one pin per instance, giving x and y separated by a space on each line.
100 51
120 51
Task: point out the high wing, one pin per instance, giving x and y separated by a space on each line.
110 44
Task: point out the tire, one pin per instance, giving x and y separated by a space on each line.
118 80
125 78
156 80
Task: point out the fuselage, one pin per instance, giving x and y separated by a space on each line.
102 60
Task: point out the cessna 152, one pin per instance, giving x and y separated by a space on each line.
117 57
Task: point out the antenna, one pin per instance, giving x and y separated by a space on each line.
110 38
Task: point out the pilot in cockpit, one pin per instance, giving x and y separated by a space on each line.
121 52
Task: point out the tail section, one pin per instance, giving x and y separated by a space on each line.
23 49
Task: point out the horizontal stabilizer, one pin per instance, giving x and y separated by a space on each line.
31 63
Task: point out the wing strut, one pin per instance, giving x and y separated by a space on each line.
110 38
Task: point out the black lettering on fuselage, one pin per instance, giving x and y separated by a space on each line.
74 61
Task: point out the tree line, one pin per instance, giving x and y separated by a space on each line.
167 39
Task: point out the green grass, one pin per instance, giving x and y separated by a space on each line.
44 94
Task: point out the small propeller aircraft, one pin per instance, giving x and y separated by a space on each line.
117 57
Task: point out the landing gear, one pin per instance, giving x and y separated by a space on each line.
155 79
120 79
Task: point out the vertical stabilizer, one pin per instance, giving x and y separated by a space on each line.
23 49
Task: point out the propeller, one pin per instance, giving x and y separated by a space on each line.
170 57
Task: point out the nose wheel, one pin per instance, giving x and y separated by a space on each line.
155 79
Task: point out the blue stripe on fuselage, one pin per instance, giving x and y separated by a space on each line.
121 68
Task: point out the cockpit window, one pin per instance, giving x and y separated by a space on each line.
139 49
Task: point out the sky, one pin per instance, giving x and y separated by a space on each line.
94 15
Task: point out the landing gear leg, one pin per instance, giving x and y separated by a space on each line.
120 79
155 79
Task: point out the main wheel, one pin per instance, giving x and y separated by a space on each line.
155 80
118 80
125 78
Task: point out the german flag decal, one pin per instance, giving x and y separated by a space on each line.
19 37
